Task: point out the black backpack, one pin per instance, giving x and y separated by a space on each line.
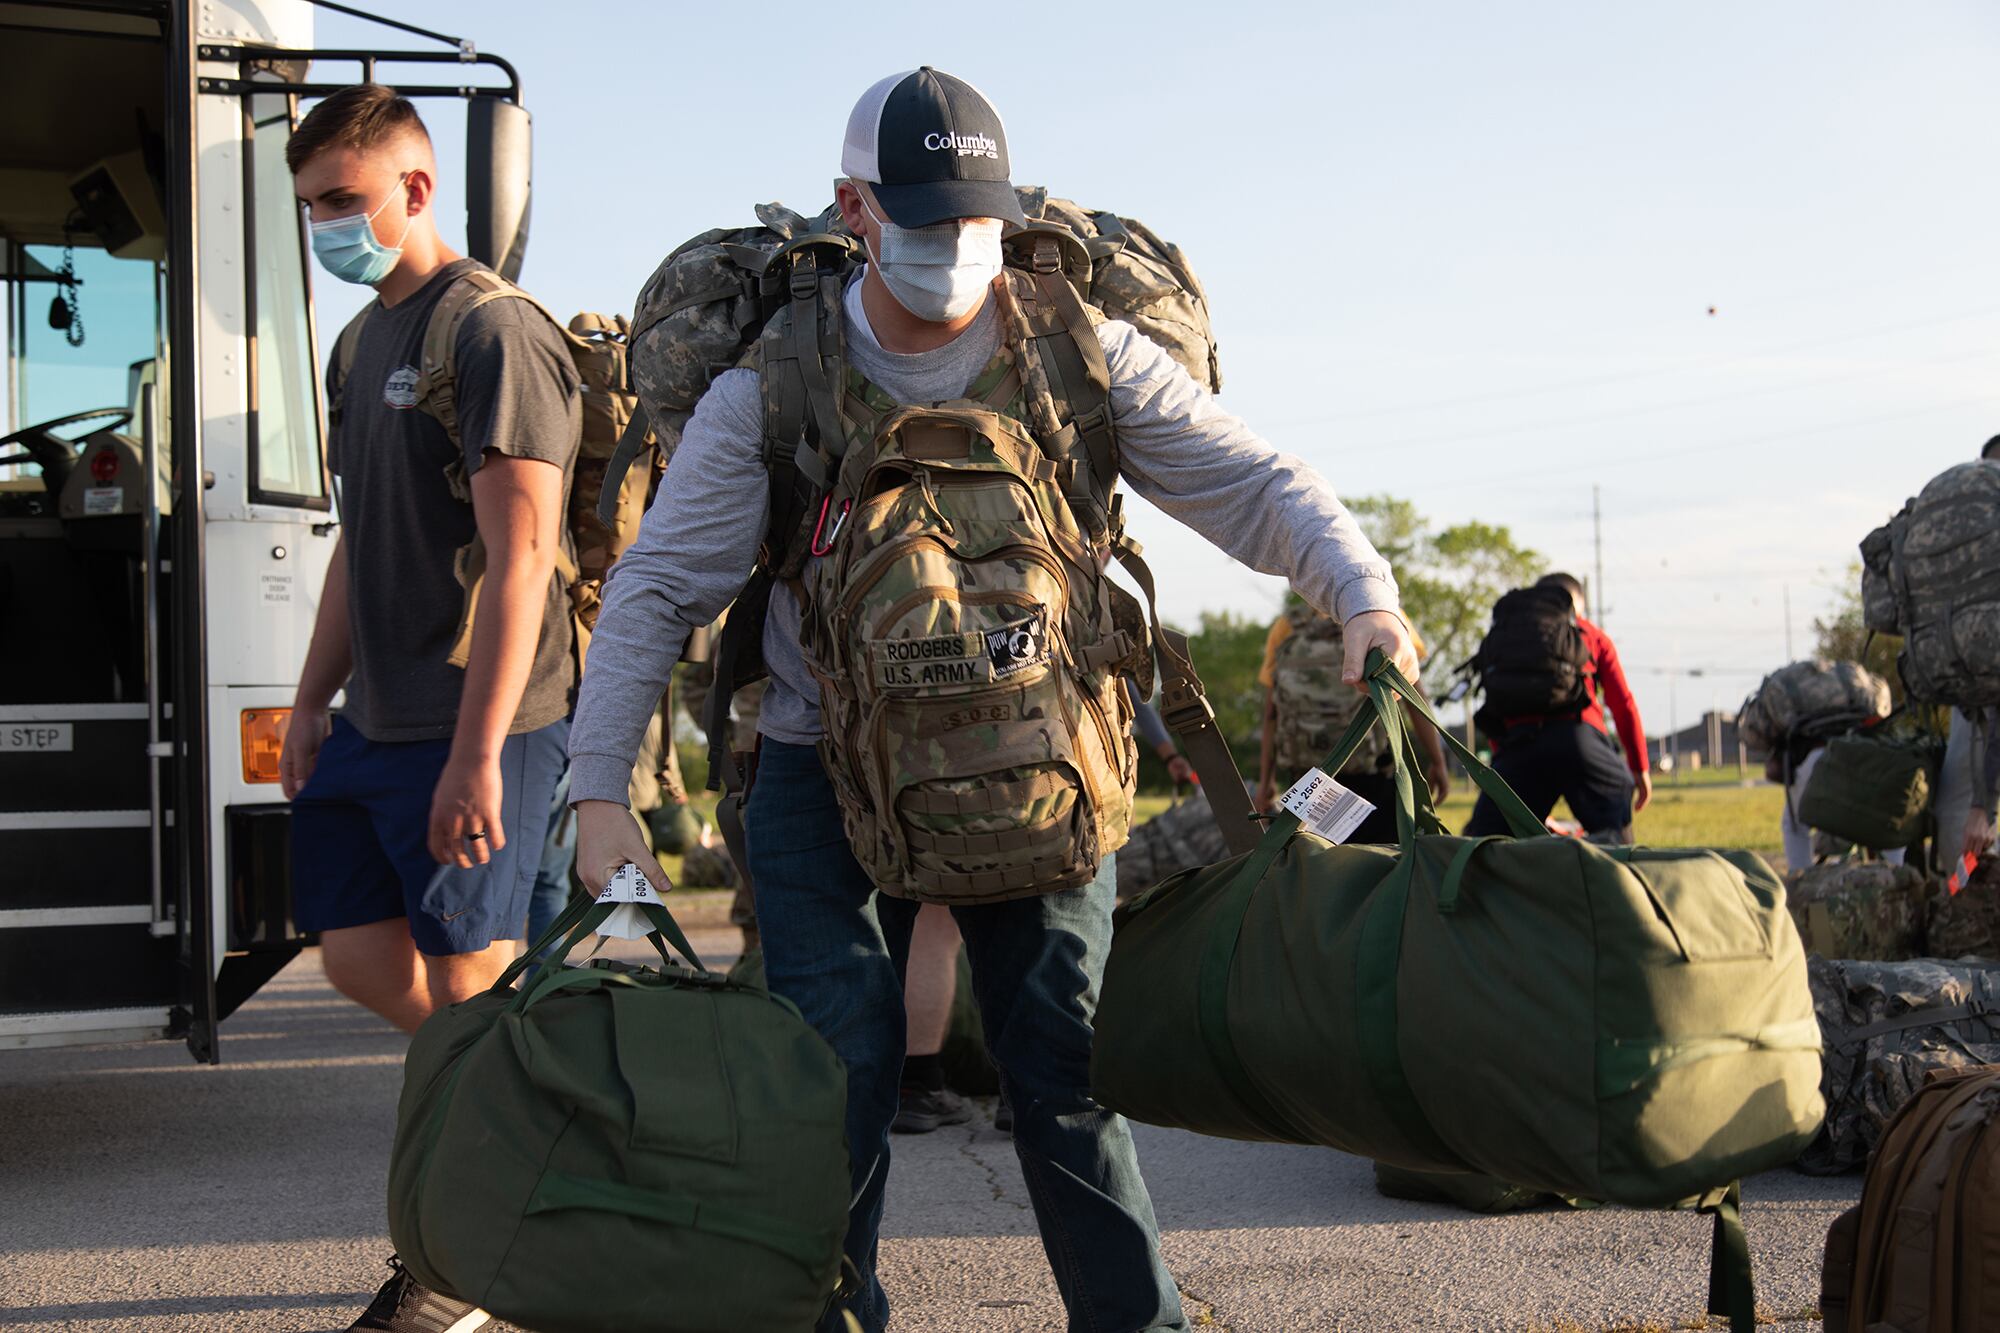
1533 662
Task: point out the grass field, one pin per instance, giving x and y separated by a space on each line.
1711 810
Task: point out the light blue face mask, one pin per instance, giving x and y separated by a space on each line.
347 247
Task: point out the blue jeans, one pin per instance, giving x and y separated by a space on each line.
837 950
551 892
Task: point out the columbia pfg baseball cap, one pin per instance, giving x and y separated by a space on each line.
933 148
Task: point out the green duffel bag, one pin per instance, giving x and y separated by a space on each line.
1630 1025
1871 788
614 1148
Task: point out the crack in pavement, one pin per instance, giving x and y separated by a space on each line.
993 1181
1205 1317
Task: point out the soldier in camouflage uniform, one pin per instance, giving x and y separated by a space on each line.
931 313
1886 1027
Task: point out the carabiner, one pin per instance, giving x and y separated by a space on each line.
819 547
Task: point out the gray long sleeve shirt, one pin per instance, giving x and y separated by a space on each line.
698 543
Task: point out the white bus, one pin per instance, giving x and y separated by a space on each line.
166 516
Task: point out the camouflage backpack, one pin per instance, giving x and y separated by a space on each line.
950 557
1932 575
1887 1027
1860 909
1314 705
600 523
1813 698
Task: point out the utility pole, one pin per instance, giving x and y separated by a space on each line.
1597 545
1788 623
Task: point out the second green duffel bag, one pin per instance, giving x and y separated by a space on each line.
1871 788
623 1149
1623 1024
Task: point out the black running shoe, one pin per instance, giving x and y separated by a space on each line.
926 1109
405 1305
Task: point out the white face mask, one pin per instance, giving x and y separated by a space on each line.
937 273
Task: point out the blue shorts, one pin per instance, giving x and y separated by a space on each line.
361 840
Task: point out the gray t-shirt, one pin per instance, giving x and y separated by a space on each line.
517 395
696 548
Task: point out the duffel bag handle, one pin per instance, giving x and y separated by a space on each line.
582 917
1385 684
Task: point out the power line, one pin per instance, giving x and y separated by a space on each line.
1740 442
1651 409
1626 377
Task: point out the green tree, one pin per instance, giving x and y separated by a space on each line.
1228 652
1841 636
1450 577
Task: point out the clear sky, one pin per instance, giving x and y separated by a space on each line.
1464 253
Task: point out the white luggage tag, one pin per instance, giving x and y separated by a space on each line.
1325 807
629 888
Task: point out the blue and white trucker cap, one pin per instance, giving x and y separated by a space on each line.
933 148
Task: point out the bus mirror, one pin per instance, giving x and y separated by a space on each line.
498 153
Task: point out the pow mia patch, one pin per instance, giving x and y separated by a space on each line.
1018 645
973 657
400 389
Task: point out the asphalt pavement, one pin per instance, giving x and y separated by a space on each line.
140 1191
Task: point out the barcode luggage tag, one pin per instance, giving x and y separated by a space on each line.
629 887
1325 807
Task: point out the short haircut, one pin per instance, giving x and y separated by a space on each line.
1567 582
1991 449
364 116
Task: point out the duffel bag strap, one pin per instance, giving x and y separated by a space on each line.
1731 1291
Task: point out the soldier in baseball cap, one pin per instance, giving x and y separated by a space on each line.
932 149
855 362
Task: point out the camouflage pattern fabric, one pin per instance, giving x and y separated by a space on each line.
1813 697
1932 575
1314 705
702 309
1886 1027
962 632
1139 278
1966 924
1860 909
707 866
1181 837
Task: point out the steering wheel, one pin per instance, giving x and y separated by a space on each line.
49 451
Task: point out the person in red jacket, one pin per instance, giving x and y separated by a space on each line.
1571 756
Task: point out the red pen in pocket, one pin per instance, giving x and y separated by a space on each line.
1966 864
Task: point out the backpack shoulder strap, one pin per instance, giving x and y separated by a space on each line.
1069 385
437 376
344 349
800 358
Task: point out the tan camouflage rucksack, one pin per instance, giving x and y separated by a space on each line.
1932 575
600 526
1816 698
1314 705
950 557
1860 909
